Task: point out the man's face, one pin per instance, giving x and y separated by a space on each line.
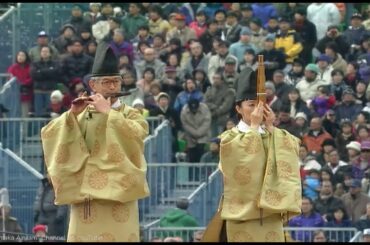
284 26
217 81
213 147
163 102
230 20
118 37
322 64
76 12
315 124
268 45
222 49
106 85
133 9
348 98
278 78
42 41
196 49
306 206
326 188
230 68
245 38
190 85
45 53
334 158
309 75
77 48
284 116
149 54
356 22
212 27
354 190
180 24
220 17
320 237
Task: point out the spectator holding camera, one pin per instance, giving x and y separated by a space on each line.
333 35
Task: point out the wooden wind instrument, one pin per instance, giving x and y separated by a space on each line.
261 78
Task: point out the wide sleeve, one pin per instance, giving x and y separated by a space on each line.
281 190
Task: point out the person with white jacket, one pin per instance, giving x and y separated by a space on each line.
323 15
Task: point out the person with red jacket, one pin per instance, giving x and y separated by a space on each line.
21 70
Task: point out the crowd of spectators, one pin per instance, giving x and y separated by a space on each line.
181 61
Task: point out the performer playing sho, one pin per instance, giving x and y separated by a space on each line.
259 163
94 154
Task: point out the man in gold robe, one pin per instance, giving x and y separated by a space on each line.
94 154
259 163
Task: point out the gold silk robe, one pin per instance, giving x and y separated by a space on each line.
96 164
262 184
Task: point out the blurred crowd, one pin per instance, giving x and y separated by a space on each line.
180 62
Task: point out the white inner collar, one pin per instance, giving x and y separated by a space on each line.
243 127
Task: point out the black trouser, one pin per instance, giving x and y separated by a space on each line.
194 155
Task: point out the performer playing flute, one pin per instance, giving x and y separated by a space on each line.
259 163
94 154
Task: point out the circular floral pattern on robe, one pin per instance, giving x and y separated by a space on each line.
98 180
252 144
235 205
284 169
288 144
133 238
241 236
136 159
96 148
269 168
107 237
83 214
57 184
242 175
115 153
272 236
273 197
63 154
128 182
120 212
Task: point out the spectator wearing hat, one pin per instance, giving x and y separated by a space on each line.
67 32
315 136
140 106
198 60
219 98
355 201
208 35
42 40
324 64
86 38
337 85
366 235
348 108
77 19
310 82
232 30
288 41
338 62
307 160
301 122
56 106
264 11
274 59
196 121
322 15
40 232
238 49
307 30
157 25
353 151
182 32
354 32
200 23
168 9
229 72
94 13
218 60
296 73
311 184
77 64
258 34
211 156
164 110
246 14
333 35
133 21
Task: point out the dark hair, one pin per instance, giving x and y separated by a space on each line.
328 142
307 198
317 232
361 127
141 43
335 71
149 69
28 59
333 46
156 9
345 215
182 203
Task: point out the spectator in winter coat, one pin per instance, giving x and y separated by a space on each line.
206 39
66 34
120 46
348 107
77 20
323 15
45 75
264 11
333 35
198 60
315 136
337 85
296 73
232 30
325 67
355 32
308 218
339 219
133 21
157 25
338 61
200 24
47 213
42 40
21 70
182 32
191 91
238 49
